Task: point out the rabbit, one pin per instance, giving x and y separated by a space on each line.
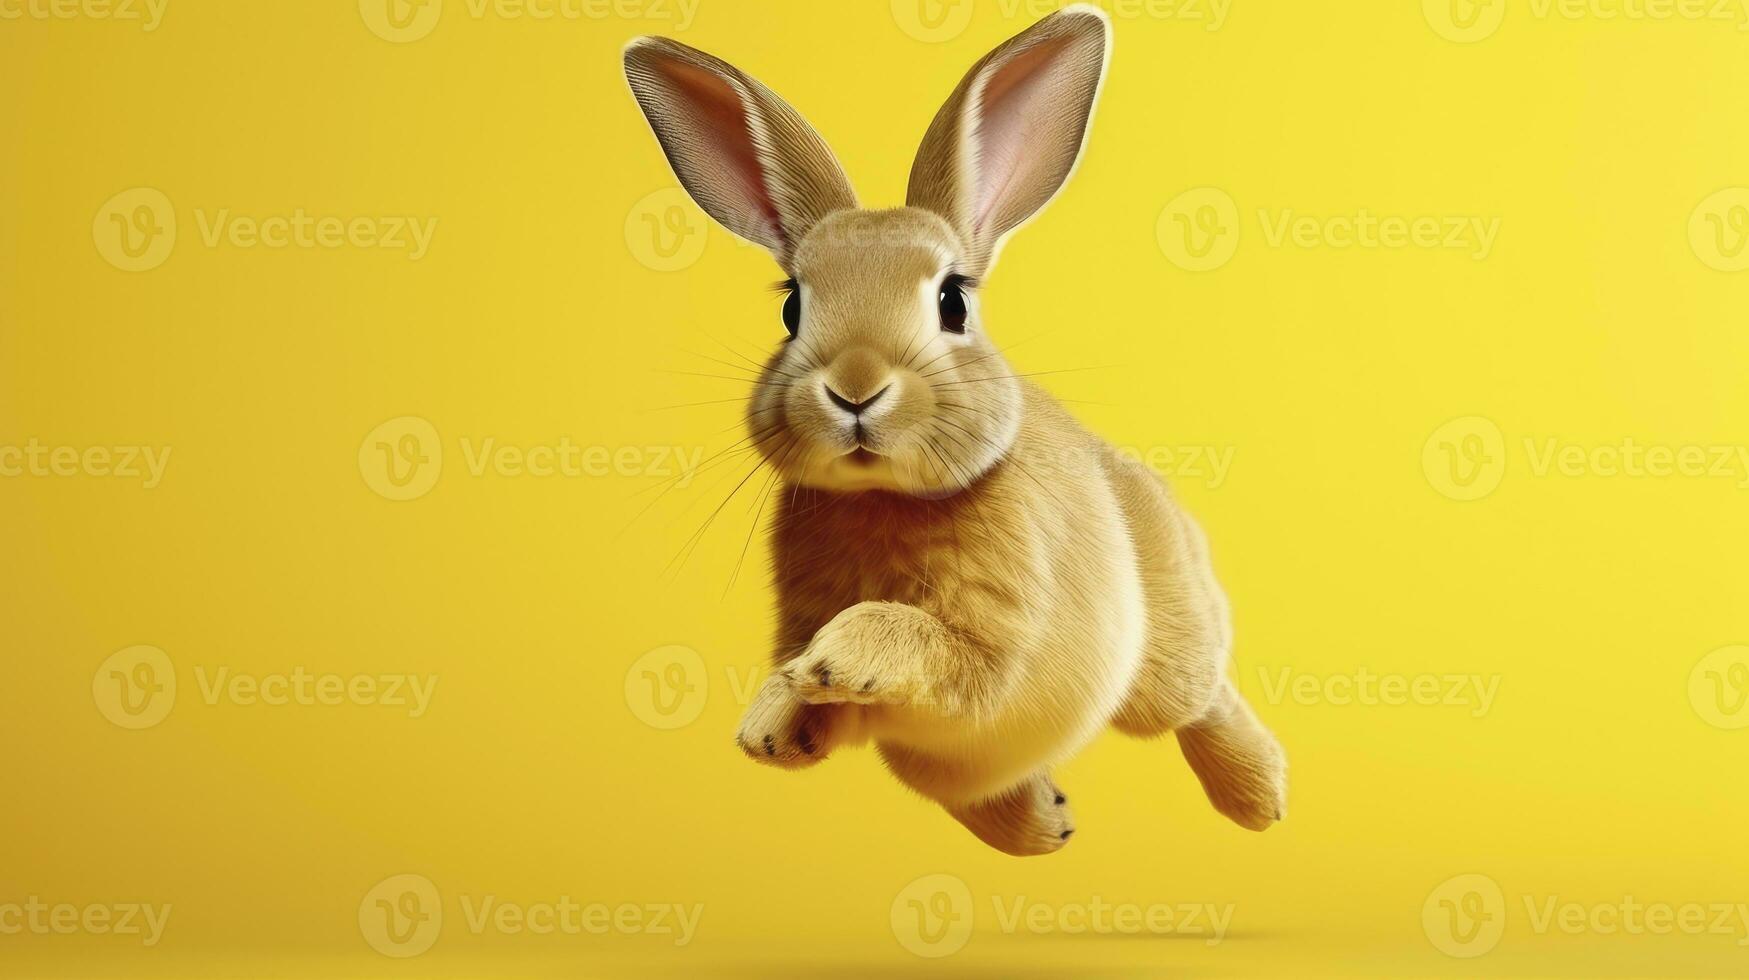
964 575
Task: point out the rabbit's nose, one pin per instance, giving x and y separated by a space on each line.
856 380
854 408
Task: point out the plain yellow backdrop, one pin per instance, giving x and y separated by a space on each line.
567 298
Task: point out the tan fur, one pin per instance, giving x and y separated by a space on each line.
964 575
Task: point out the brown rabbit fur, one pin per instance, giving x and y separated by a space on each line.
964 575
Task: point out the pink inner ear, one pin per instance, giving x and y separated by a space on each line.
1012 112
721 122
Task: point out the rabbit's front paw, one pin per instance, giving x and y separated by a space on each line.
866 655
780 729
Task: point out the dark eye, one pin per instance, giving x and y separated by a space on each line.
792 308
953 304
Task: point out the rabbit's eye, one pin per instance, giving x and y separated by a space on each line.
953 304
792 309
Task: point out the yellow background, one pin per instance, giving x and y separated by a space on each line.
536 316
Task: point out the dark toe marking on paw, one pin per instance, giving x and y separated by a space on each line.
1065 835
770 745
868 687
1061 799
806 741
825 677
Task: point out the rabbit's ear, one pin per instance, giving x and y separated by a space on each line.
1011 134
748 159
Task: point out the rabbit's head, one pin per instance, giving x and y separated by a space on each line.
888 379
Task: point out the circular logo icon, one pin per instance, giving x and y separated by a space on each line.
1199 230
1465 459
402 458
1718 687
400 21
667 687
1465 917
932 21
665 231
932 916
1464 21
135 688
1718 230
401 916
135 230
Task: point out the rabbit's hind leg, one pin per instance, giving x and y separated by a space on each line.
1241 766
1184 651
1028 819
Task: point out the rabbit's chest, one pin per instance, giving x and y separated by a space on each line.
839 559
921 568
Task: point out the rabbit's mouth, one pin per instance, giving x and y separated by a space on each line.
862 456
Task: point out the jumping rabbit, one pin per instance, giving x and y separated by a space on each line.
964 575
